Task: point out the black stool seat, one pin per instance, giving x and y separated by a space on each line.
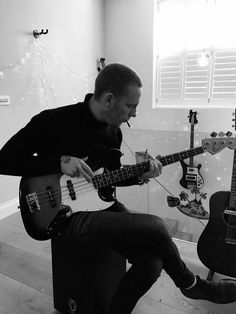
84 279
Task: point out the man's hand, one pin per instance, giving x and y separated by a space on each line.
155 169
155 166
74 167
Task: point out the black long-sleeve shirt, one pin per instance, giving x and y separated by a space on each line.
69 130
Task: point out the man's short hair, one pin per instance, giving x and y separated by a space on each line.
115 78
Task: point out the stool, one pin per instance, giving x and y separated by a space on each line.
84 279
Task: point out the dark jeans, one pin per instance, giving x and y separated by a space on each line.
142 238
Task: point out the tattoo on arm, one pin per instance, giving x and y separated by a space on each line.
65 159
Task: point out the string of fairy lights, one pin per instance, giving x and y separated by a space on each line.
40 65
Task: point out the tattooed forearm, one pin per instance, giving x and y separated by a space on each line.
65 159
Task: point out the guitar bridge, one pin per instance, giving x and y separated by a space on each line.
33 202
229 217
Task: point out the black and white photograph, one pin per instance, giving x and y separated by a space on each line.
117 157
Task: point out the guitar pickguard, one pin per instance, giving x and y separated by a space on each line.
86 196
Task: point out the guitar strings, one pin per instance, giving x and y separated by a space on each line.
83 186
108 180
138 167
80 187
166 160
231 228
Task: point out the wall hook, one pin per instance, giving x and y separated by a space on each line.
100 64
36 33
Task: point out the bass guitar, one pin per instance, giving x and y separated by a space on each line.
216 246
46 201
191 174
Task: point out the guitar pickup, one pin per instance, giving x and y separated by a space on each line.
191 178
33 202
70 187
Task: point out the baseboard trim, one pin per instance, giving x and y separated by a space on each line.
9 208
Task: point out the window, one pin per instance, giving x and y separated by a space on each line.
196 53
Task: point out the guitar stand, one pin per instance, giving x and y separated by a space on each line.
210 275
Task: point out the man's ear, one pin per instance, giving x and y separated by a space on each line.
109 100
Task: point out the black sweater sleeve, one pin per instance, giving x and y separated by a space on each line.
19 156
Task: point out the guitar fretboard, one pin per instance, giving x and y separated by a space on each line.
127 172
191 143
232 201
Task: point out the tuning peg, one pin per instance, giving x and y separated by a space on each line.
229 134
213 134
221 134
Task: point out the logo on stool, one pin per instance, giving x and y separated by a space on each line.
72 305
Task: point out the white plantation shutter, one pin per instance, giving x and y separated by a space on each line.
170 78
224 74
181 79
196 77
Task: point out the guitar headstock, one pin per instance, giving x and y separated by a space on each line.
215 144
193 117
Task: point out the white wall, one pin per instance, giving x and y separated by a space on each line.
129 40
45 72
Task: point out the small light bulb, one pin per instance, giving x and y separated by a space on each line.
203 61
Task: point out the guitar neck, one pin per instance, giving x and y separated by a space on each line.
127 172
232 200
191 143
170 159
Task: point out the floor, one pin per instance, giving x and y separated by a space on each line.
26 278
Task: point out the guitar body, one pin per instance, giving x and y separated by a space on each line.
213 248
191 176
37 219
40 210
47 201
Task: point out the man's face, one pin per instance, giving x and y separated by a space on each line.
125 107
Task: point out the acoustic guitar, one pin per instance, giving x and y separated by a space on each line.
216 246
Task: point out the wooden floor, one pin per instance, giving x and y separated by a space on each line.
26 278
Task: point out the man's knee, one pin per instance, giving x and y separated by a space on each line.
153 268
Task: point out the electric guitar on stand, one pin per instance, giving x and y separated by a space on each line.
216 246
191 176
